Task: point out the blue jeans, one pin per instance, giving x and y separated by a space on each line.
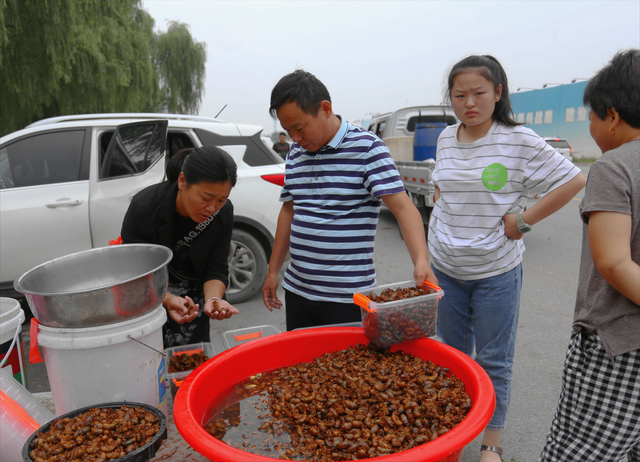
482 315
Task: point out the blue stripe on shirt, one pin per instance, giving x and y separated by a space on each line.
335 194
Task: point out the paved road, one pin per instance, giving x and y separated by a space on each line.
550 282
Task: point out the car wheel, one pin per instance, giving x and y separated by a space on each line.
247 267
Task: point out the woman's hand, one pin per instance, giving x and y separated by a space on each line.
180 309
511 226
224 309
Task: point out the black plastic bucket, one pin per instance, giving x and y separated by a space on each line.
143 454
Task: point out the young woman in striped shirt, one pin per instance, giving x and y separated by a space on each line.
486 165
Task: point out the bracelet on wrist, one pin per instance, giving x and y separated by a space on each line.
212 298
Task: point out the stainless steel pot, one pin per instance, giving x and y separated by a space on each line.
98 286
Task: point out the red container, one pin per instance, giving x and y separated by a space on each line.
213 380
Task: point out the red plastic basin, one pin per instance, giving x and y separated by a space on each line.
212 381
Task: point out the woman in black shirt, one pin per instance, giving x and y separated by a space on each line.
190 213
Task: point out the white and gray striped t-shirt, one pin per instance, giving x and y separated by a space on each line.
336 204
479 183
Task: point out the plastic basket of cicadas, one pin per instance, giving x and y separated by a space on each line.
399 312
182 360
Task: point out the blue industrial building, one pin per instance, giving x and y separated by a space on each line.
558 112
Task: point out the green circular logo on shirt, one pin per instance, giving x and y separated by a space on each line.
494 177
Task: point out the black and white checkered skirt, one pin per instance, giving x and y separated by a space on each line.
598 414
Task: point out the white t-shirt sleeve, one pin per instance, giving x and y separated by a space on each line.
547 169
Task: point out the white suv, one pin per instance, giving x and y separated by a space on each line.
562 146
58 196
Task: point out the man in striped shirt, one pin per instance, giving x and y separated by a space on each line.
336 175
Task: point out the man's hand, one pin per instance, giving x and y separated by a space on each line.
412 229
269 296
423 272
278 255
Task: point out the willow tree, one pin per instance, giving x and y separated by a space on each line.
37 45
81 56
112 69
181 66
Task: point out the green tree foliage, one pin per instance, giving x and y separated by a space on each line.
111 69
34 54
83 56
180 63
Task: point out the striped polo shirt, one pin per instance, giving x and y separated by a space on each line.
479 183
336 201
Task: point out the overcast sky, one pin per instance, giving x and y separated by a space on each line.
378 56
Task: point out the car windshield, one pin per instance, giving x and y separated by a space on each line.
558 143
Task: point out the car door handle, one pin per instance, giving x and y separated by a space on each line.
64 203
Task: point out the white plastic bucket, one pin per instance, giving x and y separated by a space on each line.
103 364
11 344
14 429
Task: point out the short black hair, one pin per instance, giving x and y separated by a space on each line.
207 163
301 87
282 134
617 86
491 69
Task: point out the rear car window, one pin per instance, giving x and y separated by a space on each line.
177 141
558 144
136 147
256 155
46 158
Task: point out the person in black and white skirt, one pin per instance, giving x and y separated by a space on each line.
598 414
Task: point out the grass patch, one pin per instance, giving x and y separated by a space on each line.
585 160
